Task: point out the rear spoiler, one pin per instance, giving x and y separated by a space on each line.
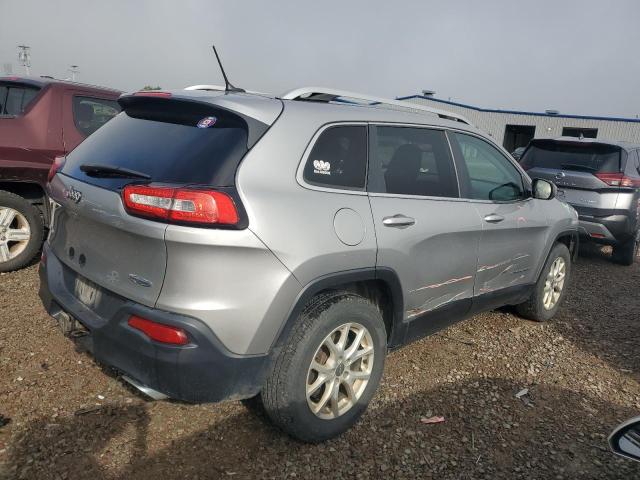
164 107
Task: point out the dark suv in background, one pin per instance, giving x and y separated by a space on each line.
40 119
601 180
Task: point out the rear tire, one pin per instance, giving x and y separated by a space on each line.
550 289
316 390
626 253
21 231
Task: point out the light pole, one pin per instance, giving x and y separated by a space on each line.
24 57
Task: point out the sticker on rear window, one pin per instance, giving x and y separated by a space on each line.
207 122
321 167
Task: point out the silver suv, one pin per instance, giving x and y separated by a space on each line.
213 245
601 180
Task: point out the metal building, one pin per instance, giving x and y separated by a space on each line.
514 129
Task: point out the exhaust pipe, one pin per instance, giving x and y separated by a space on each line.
149 392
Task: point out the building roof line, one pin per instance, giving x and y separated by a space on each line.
516 112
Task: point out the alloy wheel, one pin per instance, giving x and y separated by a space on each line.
14 233
340 371
554 283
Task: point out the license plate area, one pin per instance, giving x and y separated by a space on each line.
87 292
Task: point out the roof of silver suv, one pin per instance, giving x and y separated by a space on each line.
266 108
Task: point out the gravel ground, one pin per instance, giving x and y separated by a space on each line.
70 419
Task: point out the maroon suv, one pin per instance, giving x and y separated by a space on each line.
40 119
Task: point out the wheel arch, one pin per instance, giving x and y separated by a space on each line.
570 238
380 285
30 191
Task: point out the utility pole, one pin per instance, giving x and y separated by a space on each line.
24 57
73 69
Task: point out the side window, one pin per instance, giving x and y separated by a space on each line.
338 159
491 175
14 100
412 161
89 114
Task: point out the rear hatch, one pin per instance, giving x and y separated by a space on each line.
582 171
158 141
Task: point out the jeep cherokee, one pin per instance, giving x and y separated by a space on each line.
215 245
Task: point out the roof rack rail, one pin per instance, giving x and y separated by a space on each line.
205 87
218 88
320 94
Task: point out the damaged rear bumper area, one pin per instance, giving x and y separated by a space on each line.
203 370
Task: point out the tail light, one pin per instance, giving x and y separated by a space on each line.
159 331
58 163
184 205
618 180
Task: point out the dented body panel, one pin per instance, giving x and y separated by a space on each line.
511 250
429 277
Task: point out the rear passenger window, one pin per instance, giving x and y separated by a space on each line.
89 114
412 161
14 100
339 158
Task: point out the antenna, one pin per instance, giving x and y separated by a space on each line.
227 84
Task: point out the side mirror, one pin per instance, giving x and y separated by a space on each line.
506 192
544 189
625 439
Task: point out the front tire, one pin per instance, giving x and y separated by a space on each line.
551 287
21 232
329 368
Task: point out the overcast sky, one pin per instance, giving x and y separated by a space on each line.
577 56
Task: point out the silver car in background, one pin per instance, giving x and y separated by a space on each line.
216 245
601 180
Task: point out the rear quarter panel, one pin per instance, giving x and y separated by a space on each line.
230 280
294 221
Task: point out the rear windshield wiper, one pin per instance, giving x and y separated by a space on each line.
574 166
107 171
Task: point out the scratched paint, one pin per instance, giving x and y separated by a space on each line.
442 284
492 284
435 303
511 260
496 278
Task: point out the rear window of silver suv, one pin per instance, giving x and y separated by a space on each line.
338 158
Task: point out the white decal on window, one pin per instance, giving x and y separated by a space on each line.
321 167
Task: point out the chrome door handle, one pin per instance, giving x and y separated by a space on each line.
398 221
493 218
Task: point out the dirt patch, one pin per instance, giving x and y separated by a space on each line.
63 417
